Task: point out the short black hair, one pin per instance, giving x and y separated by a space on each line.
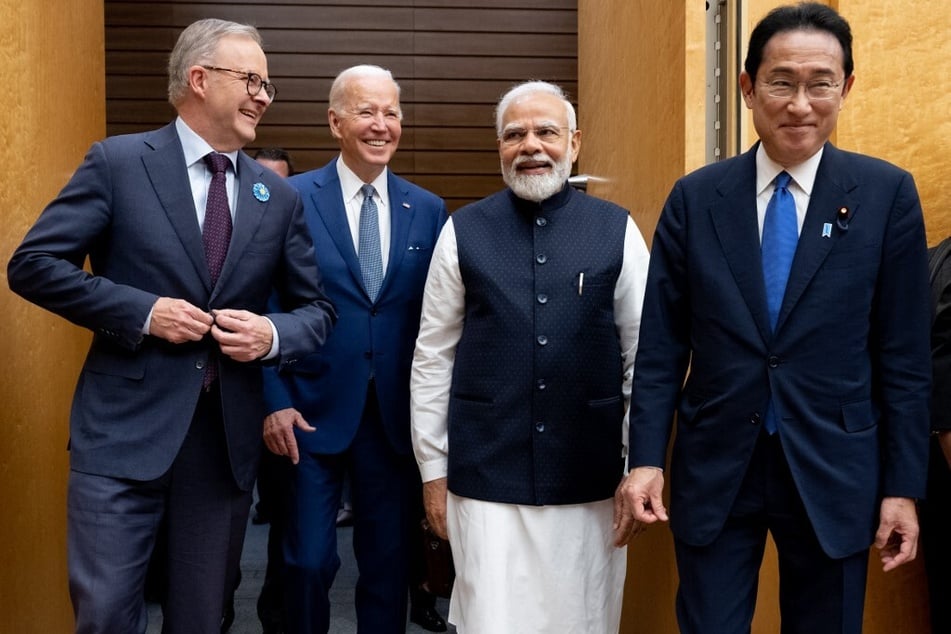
276 154
807 16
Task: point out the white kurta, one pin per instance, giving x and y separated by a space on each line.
519 569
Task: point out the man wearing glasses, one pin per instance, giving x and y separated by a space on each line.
187 238
793 282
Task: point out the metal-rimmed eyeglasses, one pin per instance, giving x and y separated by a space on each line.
255 82
816 89
545 134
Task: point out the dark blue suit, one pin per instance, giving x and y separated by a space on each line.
129 207
362 426
847 366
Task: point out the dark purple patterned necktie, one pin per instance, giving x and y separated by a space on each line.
216 233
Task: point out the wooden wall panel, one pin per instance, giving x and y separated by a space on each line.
54 59
452 58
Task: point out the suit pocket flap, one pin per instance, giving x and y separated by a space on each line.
858 415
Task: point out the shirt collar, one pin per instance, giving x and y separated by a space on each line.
195 147
803 174
350 183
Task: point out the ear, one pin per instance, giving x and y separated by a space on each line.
746 88
198 80
846 89
334 121
575 145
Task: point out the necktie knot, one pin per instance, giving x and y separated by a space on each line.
782 180
368 191
217 163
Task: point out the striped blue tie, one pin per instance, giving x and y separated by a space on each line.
780 236
368 249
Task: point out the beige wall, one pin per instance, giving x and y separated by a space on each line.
51 58
641 78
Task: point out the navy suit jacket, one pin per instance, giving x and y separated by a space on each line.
848 365
329 387
129 208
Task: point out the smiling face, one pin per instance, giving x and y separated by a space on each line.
792 129
536 148
367 125
228 115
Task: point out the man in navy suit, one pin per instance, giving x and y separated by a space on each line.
349 402
813 427
166 418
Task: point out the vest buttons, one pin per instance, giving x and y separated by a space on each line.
541 258
542 340
773 361
542 298
755 418
541 384
199 365
541 222
539 427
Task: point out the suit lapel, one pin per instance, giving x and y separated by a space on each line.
832 190
249 211
169 176
401 217
328 202
735 222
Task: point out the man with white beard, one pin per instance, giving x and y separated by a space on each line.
521 380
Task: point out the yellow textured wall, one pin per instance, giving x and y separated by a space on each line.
900 105
52 61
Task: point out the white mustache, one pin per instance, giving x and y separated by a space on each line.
538 157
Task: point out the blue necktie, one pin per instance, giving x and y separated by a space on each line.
368 249
780 235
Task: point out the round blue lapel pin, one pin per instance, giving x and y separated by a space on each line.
261 192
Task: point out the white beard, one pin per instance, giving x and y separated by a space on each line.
537 187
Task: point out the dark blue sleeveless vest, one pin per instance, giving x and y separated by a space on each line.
536 409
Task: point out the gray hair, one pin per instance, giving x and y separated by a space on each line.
197 45
339 87
530 88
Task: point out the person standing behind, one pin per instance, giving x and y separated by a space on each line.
277 159
349 403
805 410
936 509
520 383
166 417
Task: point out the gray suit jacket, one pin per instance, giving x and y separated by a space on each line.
129 208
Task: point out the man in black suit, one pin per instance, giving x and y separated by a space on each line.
166 418
805 410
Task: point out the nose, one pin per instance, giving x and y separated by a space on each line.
531 143
800 101
262 97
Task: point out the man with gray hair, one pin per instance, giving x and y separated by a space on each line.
187 239
344 412
520 384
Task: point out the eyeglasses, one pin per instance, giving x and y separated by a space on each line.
545 134
255 82
818 90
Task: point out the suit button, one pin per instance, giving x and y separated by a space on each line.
755 418
773 361
373 312
541 258
542 298
542 340
199 365
367 355
539 427
541 222
541 384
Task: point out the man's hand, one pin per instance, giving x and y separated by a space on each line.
435 493
638 501
177 321
897 536
279 432
242 335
